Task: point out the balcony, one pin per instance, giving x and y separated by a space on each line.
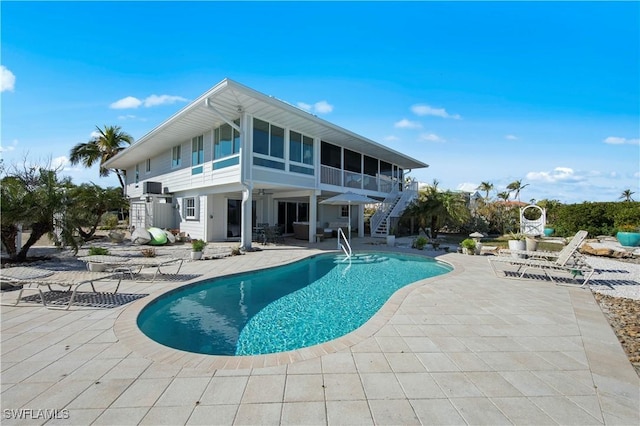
338 177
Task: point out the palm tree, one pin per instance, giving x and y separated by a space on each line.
106 143
486 187
504 195
626 195
516 186
434 209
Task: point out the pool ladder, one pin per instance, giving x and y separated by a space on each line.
348 252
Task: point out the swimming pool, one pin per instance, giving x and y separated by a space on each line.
283 308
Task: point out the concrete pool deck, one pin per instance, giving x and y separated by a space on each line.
463 348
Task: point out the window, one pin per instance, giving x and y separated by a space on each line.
370 166
386 169
197 150
260 137
148 165
268 139
331 155
344 211
352 161
226 141
137 173
176 156
190 208
300 148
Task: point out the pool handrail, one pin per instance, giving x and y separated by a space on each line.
342 246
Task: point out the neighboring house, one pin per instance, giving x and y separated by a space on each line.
235 158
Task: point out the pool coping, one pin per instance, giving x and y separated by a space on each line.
127 331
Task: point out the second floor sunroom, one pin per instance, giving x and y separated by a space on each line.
212 131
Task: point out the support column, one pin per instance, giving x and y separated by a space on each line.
361 220
313 216
246 231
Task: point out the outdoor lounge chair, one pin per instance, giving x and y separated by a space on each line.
31 279
568 260
135 265
568 250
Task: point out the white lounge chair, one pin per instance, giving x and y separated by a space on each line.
134 265
32 279
571 247
567 260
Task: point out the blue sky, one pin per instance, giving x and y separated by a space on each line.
547 93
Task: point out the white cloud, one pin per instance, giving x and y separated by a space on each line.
12 147
95 134
155 100
126 117
323 107
150 101
7 79
511 137
559 174
391 138
320 107
616 140
59 162
407 124
421 110
125 103
430 137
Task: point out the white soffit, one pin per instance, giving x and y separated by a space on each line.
230 98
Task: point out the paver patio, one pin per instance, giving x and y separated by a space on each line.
463 348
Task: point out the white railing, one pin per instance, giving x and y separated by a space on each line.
383 211
342 246
353 179
330 175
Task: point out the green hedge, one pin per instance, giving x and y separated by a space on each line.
598 218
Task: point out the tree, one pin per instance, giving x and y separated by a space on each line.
516 187
434 209
626 195
35 197
90 203
486 187
504 195
106 144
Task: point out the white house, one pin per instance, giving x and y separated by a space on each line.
235 158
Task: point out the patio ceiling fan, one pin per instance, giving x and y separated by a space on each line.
262 191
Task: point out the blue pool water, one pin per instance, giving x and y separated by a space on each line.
284 308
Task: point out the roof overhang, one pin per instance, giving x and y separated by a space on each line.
225 102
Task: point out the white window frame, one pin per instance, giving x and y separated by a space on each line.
197 141
190 208
176 156
148 165
137 174
344 211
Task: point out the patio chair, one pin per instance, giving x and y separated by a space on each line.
31 279
568 260
134 265
567 251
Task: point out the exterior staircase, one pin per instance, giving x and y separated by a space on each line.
392 208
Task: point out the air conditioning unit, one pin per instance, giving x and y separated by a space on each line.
152 187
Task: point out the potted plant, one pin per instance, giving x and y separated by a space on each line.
391 238
97 266
468 246
531 243
628 235
197 247
420 242
517 242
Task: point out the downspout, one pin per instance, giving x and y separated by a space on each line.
246 180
